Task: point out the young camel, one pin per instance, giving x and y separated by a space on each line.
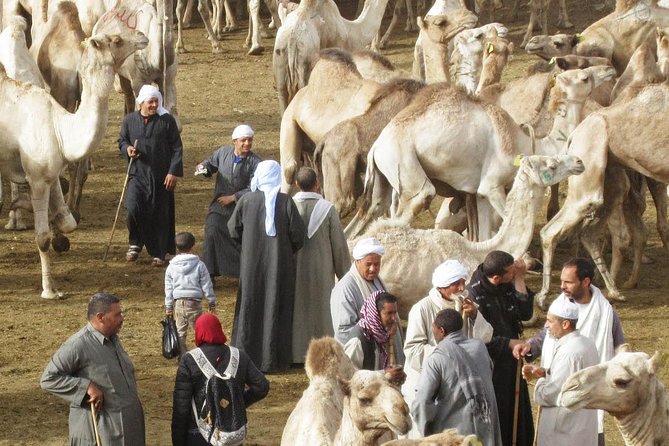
629 388
416 253
471 150
41 136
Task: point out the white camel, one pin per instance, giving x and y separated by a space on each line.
629 388
341 406
314 25
40 137
416 253
630 132
471 150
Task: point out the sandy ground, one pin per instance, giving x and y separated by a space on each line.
215 94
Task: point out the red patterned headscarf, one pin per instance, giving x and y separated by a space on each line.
371 325
208 330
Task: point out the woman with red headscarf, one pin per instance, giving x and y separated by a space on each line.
190 381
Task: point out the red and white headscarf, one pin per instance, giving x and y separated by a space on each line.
372 327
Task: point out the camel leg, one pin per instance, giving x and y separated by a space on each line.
488 219
78 177
535 7
180 18
411 25
472 217
554 202
451 215
563 18
339 176
397 10
253 36
230 19
203 8
188 14
273 7
290 150
514 10
39 196
378 205
18 217
217 12
659 193
590 237
616 222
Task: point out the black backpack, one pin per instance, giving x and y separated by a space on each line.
222 417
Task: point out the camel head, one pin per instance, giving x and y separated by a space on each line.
662 38
375 404
549 170
576 85
110 50
548 47
442 28
496 54
326 358
618 386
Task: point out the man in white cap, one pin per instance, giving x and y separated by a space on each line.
596 318
271 231
234 165
569 352
349 294
150 140
448 284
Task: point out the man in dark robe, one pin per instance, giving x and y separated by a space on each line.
234 165
271 232
498 287
150 138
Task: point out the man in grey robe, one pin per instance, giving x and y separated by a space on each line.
349 294
271 231
323 256
455 386
92 369
234 165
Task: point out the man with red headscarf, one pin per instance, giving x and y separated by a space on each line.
190 381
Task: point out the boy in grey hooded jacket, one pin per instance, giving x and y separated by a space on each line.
187 282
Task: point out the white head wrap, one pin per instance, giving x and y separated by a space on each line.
448 273
367 246
564 308
148 92
242 131
267 178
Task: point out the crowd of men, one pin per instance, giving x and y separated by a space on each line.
460 363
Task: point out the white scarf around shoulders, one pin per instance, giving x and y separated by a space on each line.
318 214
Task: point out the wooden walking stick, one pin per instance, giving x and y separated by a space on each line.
118 209
95 425
536 429
516 404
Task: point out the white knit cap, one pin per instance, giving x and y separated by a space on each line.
149 91
367 246
448 273
242 131
564 308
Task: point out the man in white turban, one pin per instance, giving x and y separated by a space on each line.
448 285
271 231
150 140
349 294
234 166
571 352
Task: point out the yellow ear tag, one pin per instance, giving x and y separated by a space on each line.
552 61
491 48
552 81
84 43
580 38
516 161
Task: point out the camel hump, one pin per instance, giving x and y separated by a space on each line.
340 57
69 12
326 357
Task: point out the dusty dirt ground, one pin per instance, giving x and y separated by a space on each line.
215 93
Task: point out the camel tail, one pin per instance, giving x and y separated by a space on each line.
45 10
370 177
318 160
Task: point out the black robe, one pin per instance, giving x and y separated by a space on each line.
150 208
263 321
504 308
220 252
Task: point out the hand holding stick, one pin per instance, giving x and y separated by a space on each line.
95 425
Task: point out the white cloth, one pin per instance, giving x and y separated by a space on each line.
595 321
367 246
448 273
320 212
420 342
267 178
242 131
148 92
564 308
560 426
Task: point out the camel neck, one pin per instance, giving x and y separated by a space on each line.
567 117
350 435
648 425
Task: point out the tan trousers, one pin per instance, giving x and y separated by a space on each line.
185 313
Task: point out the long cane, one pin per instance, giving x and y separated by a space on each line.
536 430
516 404
95 425
118 209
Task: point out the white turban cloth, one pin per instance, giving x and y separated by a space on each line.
242 131
149 91
564 308
367 246
267 178
448 273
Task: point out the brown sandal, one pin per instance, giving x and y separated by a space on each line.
158 262
132 254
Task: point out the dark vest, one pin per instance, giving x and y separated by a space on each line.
368 348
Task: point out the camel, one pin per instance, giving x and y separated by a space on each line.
663 51
314 25
343 406
431 52
416 253
40 136
495 57
539 10
342 152
476 143
547 47
449 437
629 133
376 67
629 388
467 55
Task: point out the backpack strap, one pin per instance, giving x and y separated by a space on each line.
209 370
233 364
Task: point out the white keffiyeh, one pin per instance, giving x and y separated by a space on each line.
318 214
267 178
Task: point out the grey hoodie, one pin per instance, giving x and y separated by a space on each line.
187 277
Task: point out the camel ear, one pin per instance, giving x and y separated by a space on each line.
562 63
345 386
656 362
421 22
624 348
